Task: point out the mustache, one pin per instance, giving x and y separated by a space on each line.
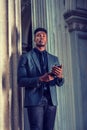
39 45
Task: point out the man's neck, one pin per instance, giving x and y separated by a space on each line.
41 48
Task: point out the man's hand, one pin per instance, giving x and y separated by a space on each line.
57 71
46 77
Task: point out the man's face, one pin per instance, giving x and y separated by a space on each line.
40 38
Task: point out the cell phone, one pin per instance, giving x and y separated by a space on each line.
60 66
50 73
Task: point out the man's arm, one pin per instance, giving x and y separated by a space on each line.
48 79
23 78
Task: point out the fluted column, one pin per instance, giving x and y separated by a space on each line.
14 18
39 18
58 44
10 49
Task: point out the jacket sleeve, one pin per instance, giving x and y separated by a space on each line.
59 81
23 78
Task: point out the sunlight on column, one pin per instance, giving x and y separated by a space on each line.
1 110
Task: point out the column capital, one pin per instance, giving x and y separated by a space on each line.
76 20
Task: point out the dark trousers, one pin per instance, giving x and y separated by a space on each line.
41 117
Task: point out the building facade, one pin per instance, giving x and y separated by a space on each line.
66 22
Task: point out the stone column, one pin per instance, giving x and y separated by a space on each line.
76 24
14 29
39 18
10 48
4 67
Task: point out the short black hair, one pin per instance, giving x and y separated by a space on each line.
40 29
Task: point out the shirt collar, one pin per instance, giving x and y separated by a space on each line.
40 52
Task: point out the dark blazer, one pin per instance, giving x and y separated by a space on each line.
28 76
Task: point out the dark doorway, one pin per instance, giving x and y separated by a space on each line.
26 22
26 26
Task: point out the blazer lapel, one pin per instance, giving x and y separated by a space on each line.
50 64
34 56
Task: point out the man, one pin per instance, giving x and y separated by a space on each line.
39 72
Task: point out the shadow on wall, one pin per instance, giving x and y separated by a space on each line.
16 92
18 113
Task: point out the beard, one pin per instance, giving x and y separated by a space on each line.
40 44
